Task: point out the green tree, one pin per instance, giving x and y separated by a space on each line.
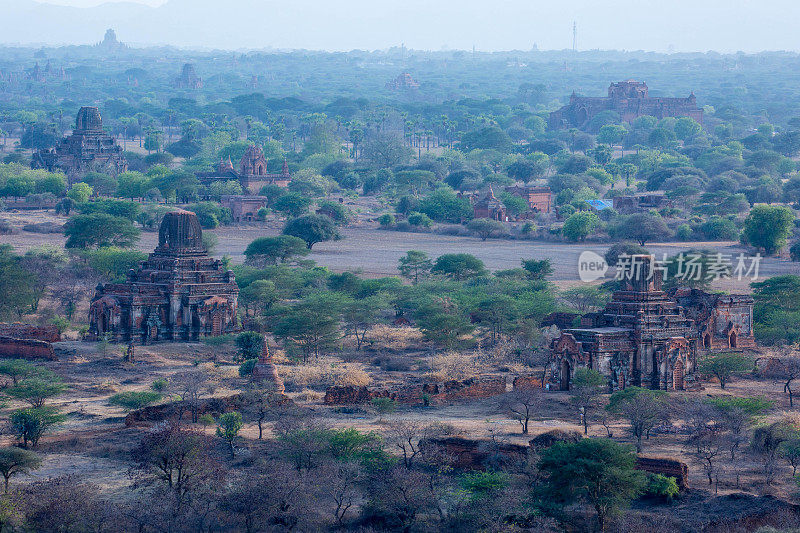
643 408
724 365
312 324
228 427
292 204
459 266
599 472
17 369
776 313
272 250
443 205
260 294
17 285
80 193
31 423
585 390
537 269
99 230
312 229
131 400
37 389
485 227
579 225
337 212
15 461
641 227
415 265
113 263
767 227
250 344
611 134
686 128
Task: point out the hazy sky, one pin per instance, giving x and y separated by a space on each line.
659 25
92 3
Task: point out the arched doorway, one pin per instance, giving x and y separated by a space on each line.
566 374
707 340
677 375
732 340
655 378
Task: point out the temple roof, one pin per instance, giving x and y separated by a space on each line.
180 233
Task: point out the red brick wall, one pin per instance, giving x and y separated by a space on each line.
29 331
26 349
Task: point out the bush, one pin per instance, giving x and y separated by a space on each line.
661 486
132 400
386 220
623 248
684 232
246 368
250 345
420 220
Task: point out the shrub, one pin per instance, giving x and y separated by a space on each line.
250 345
661 486
246 368
132 400
419 220
386 220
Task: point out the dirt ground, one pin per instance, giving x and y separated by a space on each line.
374 252
95 441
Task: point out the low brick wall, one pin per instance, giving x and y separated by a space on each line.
168 411
475 454
666 467
29 331
528 382
26 349
448 391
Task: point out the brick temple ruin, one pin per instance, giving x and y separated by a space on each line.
630 99
178 293
650 338
87 149
252 174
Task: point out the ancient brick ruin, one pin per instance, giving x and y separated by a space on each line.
648 338
265 373
179 293
252 173
630 99
188 78
26 341
420 393
88 149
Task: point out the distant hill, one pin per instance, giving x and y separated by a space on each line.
686 25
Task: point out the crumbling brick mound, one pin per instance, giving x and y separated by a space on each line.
29 331
527 382
474 454
734 512
561 320
173 410
549 438
420 393
26 349
666 467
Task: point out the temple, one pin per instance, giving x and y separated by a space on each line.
188 78
630 99
252 173
88 149
650 338
178 293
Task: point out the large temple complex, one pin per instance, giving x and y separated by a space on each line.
178 293
630 99
88 149
650 338
252 173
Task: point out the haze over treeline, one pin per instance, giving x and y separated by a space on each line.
681 25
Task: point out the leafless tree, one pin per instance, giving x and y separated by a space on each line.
786 370
177 457
188 386
342 486
644 411
707 447
522 405
302 441
407 434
